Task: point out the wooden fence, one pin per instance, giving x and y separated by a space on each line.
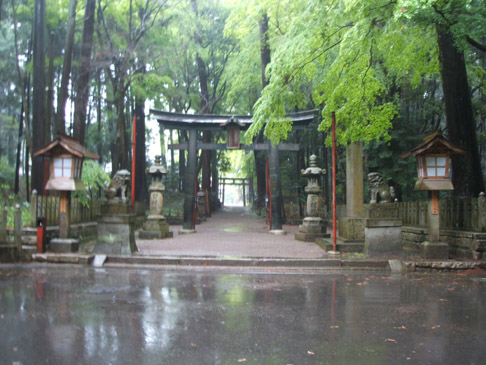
455 214
17 228
48 207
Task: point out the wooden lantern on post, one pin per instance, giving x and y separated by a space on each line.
233 127
66 156
433 157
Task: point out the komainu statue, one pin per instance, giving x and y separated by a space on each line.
380 191
118 186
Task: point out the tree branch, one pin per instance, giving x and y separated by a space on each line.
475 44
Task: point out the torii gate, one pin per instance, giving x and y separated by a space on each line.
232 124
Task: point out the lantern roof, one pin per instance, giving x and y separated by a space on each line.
435 143
69 144
233 121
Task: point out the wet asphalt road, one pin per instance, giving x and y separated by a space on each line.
80 315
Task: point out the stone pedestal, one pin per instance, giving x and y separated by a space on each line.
156 227
312 228
383 236
116 230
382 230
63 245
434 250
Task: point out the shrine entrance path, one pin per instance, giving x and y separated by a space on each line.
232 232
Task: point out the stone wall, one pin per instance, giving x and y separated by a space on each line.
462 244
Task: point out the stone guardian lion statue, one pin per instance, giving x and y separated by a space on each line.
380 191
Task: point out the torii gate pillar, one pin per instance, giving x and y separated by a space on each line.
189 186
274 167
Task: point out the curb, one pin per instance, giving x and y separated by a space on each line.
278 263
87 259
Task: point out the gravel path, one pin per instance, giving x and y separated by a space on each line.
232 231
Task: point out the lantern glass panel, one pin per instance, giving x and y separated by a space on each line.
62 166
66 167
57 167
436 166
420 167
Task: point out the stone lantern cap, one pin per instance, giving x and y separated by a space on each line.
157 168
313 169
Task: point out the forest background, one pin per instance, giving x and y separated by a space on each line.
392 71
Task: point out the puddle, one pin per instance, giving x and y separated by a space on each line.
237 228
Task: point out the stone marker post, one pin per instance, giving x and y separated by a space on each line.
351 227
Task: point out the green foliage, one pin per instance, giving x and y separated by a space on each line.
7 172
94 179
9 201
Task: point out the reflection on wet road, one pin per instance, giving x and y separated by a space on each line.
59 315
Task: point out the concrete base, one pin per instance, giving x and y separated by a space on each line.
278 232
187 231
116 234
383 236
310 237
155 228
435 250
63 245
343 247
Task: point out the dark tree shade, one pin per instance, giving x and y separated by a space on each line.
466 170
39 96
82 86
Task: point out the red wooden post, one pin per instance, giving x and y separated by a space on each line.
334 181
134 145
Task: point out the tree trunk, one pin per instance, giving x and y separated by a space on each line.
260 156
466 170
19 151
50 89
66 69
264 48
120 159
82 86
39 96
141 193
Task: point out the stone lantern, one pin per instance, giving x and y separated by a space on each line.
66 156
313 226
156 226
433 170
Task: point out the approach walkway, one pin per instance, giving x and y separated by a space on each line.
232 232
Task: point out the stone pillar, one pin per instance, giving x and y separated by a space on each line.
354 180
351 227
